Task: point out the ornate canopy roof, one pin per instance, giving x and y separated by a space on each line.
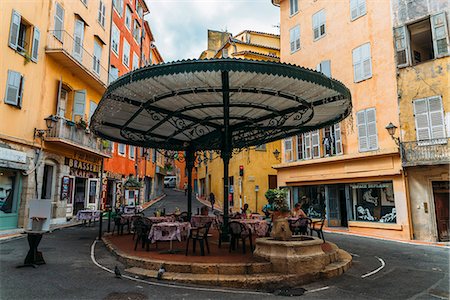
188 104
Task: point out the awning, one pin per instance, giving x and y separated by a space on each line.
187 104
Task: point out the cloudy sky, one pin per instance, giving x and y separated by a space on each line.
180 26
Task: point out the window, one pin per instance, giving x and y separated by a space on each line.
362 65
85 2
225 53
113 74
121 149
79 105
47 180
115 40
101 13
357 9
14 88
126 53
422 41
97 56
300 146
137 32
20 36
293 7
135 61
78 40
128 18
139 9
131 152
325 68
118 6
315 142
373 202
288 154
307 145
367 130
319 24
294 38
92 108
332 140
429 118
112 147
261 147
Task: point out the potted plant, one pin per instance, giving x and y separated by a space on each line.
82 124
280 209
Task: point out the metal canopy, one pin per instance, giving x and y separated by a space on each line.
218 104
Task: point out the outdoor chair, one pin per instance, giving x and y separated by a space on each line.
218 223
317 227
237 232
118 224
133 225
182 217
141 228
199 234
300 225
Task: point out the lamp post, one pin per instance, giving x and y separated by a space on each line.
276 153
391 128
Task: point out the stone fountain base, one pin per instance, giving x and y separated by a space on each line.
303 255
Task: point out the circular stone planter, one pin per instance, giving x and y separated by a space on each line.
299 255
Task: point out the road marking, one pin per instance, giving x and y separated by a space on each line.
353 254
376 270
171 285
318 290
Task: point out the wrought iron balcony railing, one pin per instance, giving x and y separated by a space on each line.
71 53
72 134
429 152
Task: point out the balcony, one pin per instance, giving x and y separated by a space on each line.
61 46
68 133
422 153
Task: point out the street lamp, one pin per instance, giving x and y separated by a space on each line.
276 153
391 128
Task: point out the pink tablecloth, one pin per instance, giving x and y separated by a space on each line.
257 227
200 221
162 219
88 214
169 231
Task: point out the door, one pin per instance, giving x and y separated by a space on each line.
68 193
273 182
63 97
333 206
78 40
80 194
92 193
441 196
343 206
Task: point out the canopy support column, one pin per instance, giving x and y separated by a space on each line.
226 151
189 165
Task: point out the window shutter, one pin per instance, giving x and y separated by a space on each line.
421 118
292 39
59 22
78 39
307 143
366 64
315 143
13 88
372 136
297 37
325 68
353 9
440 34
338 138
79 104
14 30
35 49
362 130
401 46
436 117
362 7
300 147
92 108
288 149
357 74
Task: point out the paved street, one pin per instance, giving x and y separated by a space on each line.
410 271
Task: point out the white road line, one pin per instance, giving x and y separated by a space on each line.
353 254
317 290
172 285
376 270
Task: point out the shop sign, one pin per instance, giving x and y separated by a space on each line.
112 175
13 155
81 165
369 185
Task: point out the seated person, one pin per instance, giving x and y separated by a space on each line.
245 209
267 210
298 212
204 211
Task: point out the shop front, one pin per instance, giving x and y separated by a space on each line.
12 164
81 188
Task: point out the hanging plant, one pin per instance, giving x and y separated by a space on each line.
82 124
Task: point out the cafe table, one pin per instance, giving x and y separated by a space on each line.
257 227
88 215
201 220
169 231
162 219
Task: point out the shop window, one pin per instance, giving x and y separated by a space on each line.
422 41
373 202
312 200
47 182
7 192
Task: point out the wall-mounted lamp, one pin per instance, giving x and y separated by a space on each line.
39 133
391 128
276 153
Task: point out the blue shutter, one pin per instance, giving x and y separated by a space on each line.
14 30
35 49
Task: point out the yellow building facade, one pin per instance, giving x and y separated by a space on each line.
250 170
423 82
52 76
350 173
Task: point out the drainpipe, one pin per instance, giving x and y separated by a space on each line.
100 225
109 44
408 204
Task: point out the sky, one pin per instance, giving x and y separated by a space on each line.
180 27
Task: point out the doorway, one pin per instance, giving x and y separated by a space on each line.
343 207
273 182
441 205
80 194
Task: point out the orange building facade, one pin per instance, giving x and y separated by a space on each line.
132 175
